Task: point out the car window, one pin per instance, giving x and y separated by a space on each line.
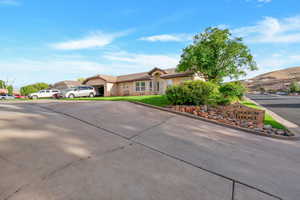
42 91
83 88
47 91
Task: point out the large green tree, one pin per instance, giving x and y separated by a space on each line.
216 55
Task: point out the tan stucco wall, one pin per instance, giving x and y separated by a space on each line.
128 88
176 81
110 89
198 77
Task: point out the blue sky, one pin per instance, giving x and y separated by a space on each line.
58 40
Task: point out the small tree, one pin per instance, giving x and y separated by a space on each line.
294 87
217 55
262 90
10 89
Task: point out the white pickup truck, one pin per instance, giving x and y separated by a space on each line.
43 94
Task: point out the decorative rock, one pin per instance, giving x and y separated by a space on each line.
280 132
267 126
258 129
218 114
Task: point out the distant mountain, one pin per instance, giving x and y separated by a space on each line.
275 80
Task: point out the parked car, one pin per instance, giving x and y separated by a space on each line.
281 93
43 94
79 91
6 97
17 96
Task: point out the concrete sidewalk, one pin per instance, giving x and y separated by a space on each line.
118 150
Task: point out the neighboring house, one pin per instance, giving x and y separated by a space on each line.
3 91
66 84
16 92
145 83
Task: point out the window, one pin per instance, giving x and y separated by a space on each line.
84 88
169 82
140 86
150 85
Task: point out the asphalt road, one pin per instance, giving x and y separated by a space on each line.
53 150
287 107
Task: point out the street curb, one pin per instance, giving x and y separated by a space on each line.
292 138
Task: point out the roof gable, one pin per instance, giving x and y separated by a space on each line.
155 70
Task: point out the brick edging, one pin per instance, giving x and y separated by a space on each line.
217 123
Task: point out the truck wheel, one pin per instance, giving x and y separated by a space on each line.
91 95
71 96
35 97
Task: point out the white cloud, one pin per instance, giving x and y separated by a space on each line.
264 1
52 69
93 40
272 30
169 38
143 60
278 60
69 67
10 2
275 61
260 1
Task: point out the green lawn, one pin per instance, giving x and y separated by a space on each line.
269 120
156 100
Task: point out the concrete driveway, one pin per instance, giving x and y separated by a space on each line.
119 150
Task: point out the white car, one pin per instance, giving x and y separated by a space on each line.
43 94
80 91
6 97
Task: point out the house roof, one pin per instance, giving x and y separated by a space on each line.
75 83
108 78
167 73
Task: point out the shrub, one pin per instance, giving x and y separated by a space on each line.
192 93
230 92
294 87
178 95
